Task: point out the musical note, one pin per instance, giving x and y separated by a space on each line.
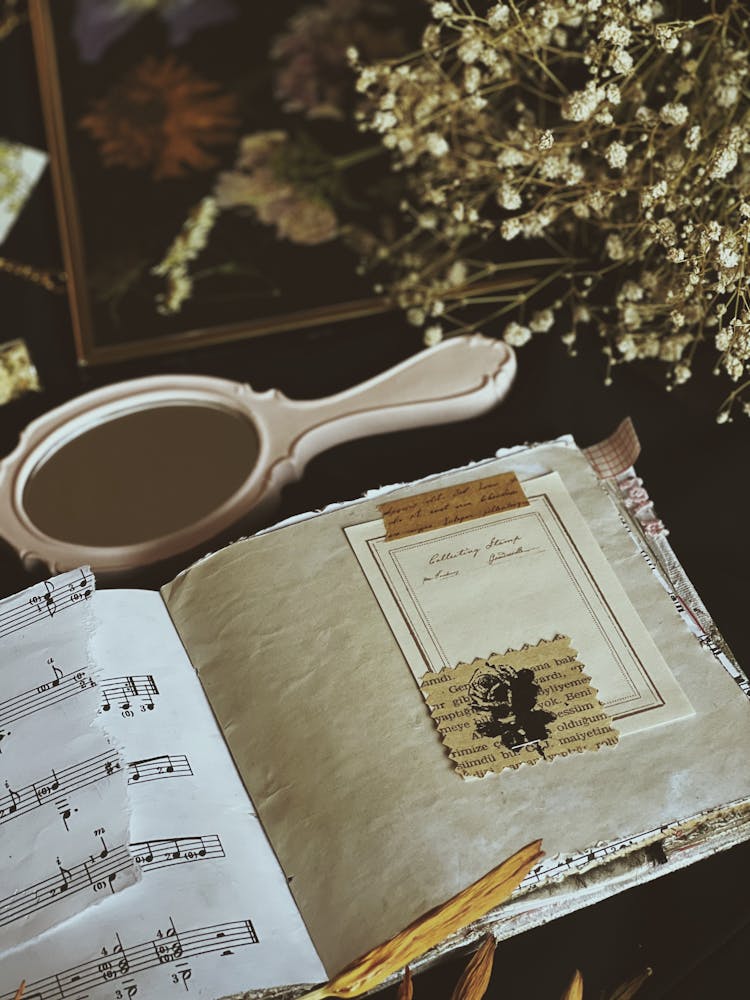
44 696
65 879
163 766
71 779
167 944
96 873
43 789
65 781
27 610
49 598
183 974
15 799
76 982
152 854
63 807
128 690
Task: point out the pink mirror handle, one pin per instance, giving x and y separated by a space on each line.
458 379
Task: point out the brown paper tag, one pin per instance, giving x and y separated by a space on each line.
518 707
452 505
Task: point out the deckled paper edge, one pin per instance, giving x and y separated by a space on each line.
565 440
683 843
90 624
97 674
527 763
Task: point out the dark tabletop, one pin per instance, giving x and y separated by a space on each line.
690 927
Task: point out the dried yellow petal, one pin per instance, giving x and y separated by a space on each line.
476 977
405 988
629 989
575 988
471 904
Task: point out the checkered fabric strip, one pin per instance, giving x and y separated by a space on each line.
616 454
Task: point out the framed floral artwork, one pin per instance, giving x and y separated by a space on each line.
210 179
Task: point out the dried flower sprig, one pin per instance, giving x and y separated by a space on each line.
406 986
615 133
629 989
476 976
471 904
12 15
186 246
574 989
475 980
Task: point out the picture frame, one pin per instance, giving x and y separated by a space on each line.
284 287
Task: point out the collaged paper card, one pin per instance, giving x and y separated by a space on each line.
526 705
507 580
20 169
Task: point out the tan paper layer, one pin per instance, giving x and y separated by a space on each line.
452 505
518 707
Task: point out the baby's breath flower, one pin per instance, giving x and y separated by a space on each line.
546 140
621 61
639 176
442 9
728 256
516 335
542 321
693 137
617 155
436 144
666 37
674 114
615 247
498 16
581 104
508 196
722 162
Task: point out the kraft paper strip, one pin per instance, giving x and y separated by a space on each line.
518 707
452 505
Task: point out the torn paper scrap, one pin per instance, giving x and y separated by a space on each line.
20 169
18 374
518 707
452 505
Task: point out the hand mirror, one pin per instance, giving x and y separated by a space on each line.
142 471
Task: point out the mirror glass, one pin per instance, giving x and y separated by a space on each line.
141 475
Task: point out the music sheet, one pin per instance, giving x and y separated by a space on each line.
64 816
213 914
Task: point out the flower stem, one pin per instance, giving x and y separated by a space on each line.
359 156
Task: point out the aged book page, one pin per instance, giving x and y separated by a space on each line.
337 748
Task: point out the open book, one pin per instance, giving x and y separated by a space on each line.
311 737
